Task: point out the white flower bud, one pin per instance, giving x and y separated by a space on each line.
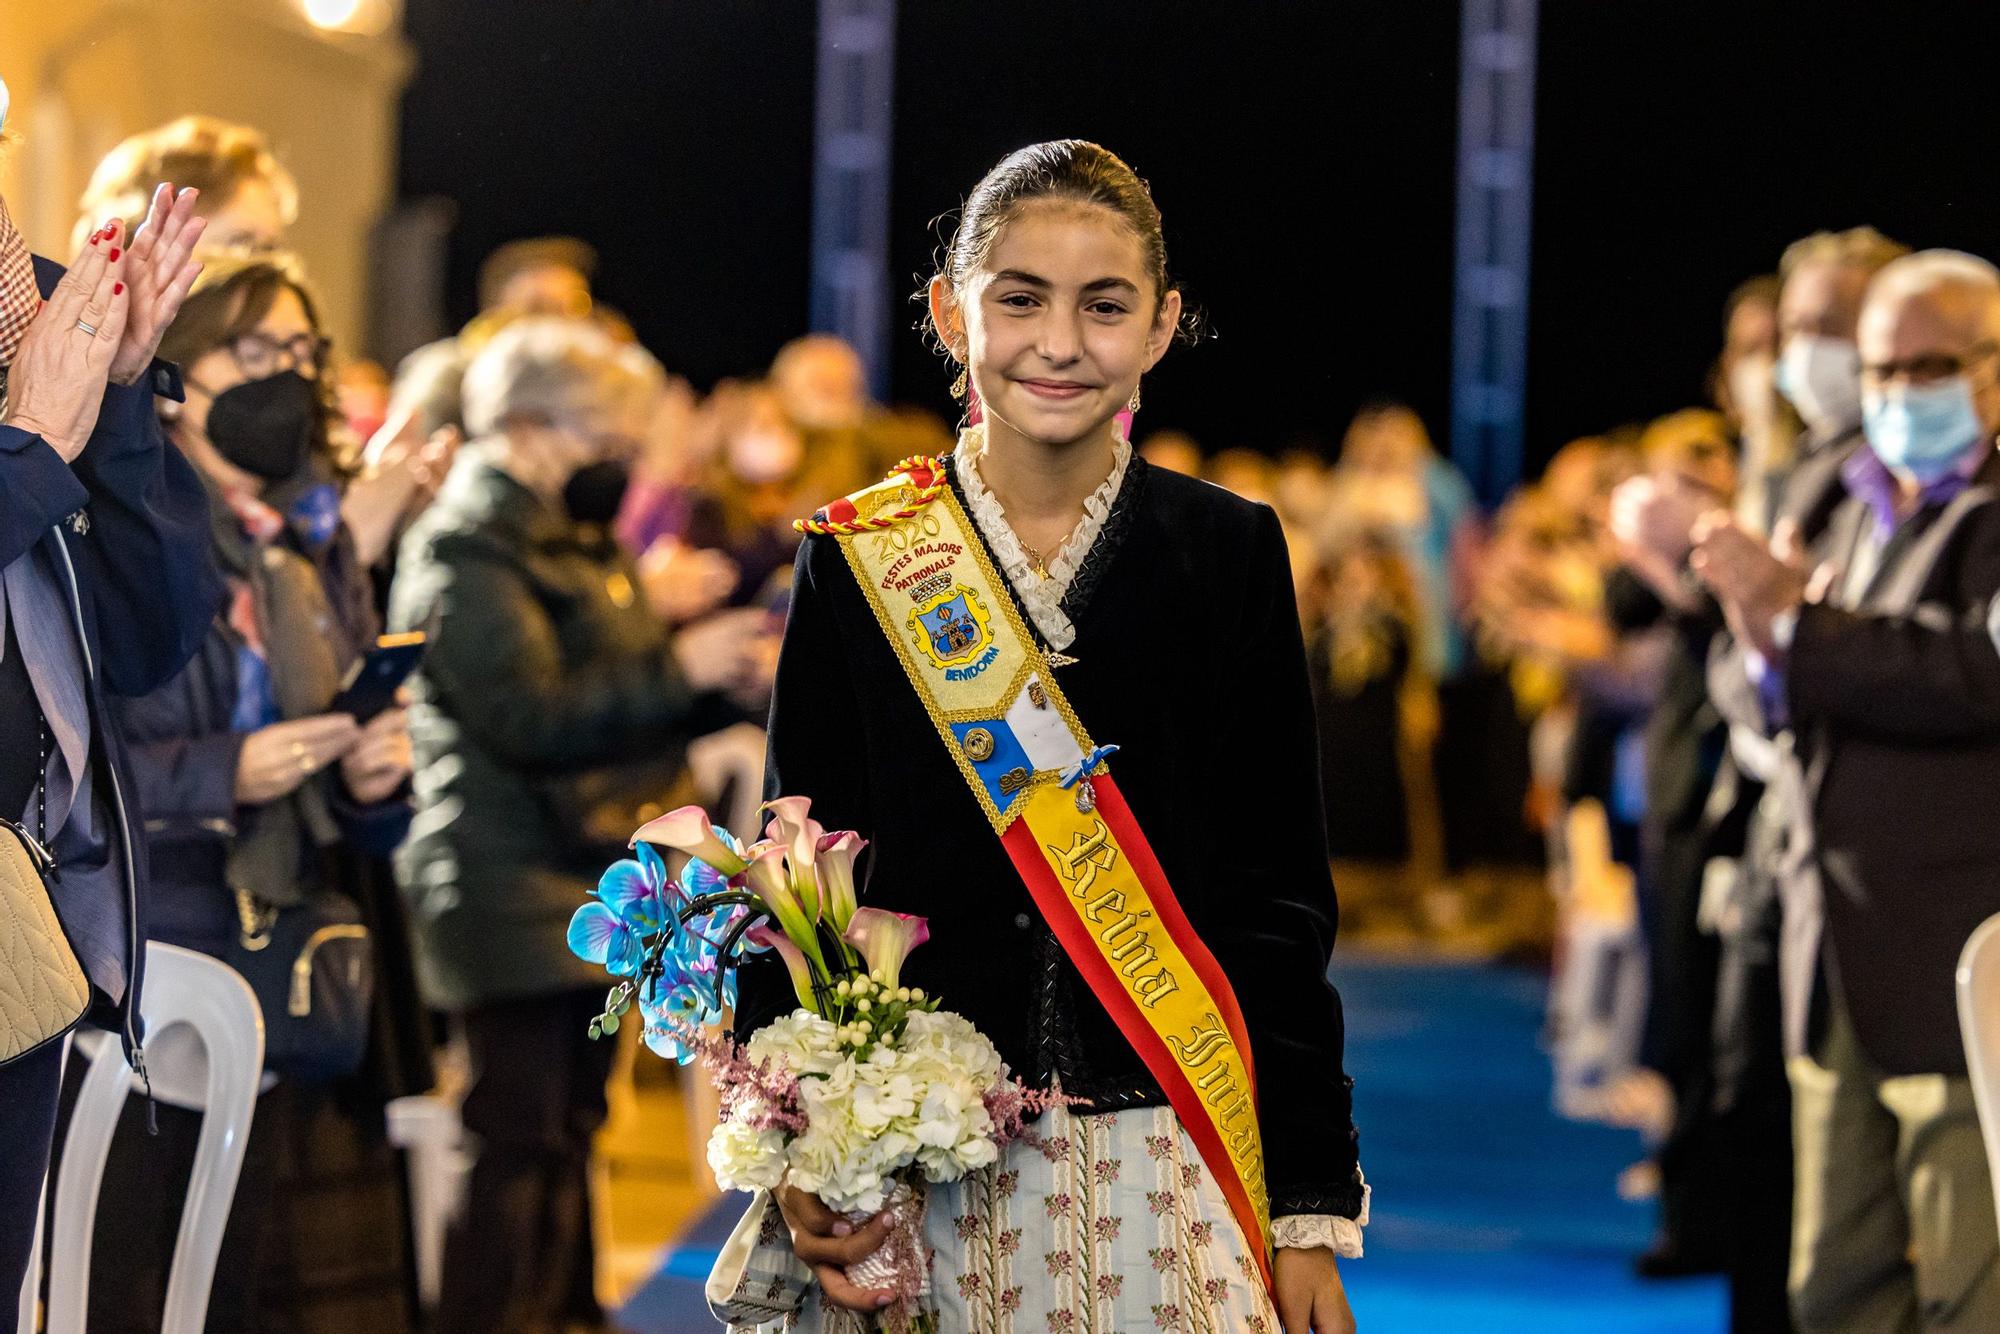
864 1005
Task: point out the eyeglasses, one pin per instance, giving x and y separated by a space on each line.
258 355
1928 368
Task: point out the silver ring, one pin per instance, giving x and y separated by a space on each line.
90 329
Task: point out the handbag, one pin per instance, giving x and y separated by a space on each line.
313 969
44 992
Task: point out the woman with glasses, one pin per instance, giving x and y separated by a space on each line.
263 805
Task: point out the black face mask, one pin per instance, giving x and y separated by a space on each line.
595 491
266 426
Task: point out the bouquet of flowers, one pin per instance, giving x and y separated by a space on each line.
862 1094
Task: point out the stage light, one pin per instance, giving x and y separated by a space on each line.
332 15
350 18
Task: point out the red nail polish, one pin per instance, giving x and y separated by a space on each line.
118 289
115 253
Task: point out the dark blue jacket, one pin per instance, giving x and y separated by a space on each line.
184 750
131 517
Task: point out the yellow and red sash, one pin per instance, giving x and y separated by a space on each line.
1043 784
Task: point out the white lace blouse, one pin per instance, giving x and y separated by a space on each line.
1043 598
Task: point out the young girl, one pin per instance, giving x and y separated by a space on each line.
1157 612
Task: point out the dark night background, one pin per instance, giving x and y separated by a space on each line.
1303 155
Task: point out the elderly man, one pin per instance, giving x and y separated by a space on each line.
105 588
1880 661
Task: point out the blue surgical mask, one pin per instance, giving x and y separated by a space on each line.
1922 429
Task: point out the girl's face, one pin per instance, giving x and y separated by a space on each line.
1060 323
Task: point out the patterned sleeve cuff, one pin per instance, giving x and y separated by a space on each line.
1305 1232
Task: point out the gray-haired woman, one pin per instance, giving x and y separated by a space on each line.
552 712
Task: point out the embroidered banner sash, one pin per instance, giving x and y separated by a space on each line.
1044 786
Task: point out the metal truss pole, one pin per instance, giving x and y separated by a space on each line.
1496 138
851 293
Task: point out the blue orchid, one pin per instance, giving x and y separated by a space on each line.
696 954
698 877
598 935
641 926
640 892
725 924
671 1003
666 1044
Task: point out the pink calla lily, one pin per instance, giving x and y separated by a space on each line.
795 961
885 939
773 887
689 830
835 859
789 812
800 834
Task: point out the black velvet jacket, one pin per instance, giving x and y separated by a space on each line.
1189 659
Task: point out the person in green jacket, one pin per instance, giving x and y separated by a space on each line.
552 713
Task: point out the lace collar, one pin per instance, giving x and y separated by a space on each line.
1041 598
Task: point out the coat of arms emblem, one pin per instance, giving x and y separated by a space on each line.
952 627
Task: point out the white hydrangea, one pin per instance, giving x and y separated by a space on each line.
744 1158
920 1103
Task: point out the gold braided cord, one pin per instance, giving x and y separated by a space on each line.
829 528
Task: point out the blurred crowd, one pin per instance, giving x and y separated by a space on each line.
596 560
1727 676
1633 713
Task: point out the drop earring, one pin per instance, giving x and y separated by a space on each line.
958 386
1132 404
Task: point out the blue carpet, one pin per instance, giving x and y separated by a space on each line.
1491 1215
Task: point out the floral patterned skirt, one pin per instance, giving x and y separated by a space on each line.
1112 1224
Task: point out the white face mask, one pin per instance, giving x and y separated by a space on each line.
765 455
1822 378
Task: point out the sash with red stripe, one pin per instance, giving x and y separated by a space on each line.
1046 788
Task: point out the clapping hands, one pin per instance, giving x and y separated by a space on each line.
160 269
56 383
104 322
1753 585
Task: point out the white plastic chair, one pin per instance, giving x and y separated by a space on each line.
31 1286
1979 1029
182 987
427 1128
